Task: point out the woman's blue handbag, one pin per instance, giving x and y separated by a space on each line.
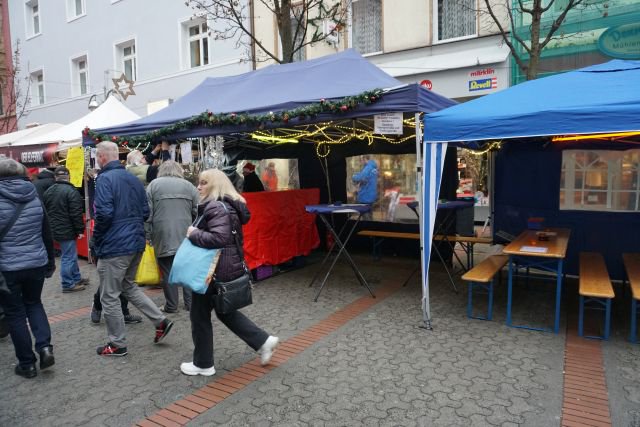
193 267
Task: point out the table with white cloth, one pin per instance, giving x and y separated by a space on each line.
341 238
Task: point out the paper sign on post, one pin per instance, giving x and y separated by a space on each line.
185 153
75 164
388 124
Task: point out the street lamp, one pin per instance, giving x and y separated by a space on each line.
93 100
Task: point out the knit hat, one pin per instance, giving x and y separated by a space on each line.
249 166
61 171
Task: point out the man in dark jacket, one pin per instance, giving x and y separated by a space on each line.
45 179
64 208
251 183
119 239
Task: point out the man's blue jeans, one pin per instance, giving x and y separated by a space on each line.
69 270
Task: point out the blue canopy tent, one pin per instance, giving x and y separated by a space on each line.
284 87
600 99
278 88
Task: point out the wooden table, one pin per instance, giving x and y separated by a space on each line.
527 251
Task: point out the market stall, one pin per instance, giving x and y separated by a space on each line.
566 149
293 110
67 140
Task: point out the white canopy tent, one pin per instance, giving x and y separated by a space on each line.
110 113
14 138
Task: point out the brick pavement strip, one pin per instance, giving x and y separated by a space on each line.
282 355
585 393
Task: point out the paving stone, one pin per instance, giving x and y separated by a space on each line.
379 369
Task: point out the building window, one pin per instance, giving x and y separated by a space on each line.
75 9
37 87
80 76
33 18
454 19
366 26
126 53
197 45
298 24
600 180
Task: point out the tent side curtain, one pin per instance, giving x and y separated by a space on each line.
598 99
432 165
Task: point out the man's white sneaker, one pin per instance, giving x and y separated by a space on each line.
191 369
267 349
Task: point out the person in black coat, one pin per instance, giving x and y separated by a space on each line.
64 207
214 231
252 183
45 179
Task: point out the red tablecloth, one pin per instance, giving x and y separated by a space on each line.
279 228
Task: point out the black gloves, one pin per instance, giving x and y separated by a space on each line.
50 269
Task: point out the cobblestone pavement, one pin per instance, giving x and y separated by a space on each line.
378 369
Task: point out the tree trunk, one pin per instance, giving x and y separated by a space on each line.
534 57
283 16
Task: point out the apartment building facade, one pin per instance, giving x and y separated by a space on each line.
450 46
71 50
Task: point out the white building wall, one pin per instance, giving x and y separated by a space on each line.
160 52
459 68
406 24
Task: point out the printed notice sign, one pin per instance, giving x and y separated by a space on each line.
185 152
534 249
75 164
388 124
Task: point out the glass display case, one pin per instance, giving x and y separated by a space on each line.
387 181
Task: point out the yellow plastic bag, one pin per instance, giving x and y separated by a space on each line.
148 272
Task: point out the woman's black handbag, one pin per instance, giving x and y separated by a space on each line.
233 295
4 288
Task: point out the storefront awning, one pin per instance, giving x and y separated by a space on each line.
432 61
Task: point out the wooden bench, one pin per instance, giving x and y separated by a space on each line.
385 235
389 234
482 276
632 267
595 287
466 243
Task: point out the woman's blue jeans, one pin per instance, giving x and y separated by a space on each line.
24 304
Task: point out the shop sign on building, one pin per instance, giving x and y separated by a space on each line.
487 82
622 41
33 155
427 84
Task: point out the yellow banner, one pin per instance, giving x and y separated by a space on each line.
75 164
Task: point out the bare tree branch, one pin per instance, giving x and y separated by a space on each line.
533 46
559 20
505 34
229 21
16 103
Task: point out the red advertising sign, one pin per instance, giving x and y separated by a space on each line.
427 84
30 155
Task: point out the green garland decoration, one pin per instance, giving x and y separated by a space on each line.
211 120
